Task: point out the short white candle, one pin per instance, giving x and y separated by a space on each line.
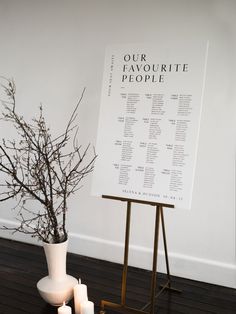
64 309
80 296
87 307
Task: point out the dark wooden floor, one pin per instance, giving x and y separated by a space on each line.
22 265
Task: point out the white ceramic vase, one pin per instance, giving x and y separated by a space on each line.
57 287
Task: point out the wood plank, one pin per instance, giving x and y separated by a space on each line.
22 265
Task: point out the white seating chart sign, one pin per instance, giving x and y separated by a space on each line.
149 122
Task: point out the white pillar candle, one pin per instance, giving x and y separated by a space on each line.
64 309
87 307
80 296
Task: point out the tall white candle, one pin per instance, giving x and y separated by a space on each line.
87 307
64 309
80 296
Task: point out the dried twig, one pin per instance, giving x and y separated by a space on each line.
37 166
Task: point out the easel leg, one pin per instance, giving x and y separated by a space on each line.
126 255
154 266
165 245
168 284
122 306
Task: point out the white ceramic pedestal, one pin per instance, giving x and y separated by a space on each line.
57 287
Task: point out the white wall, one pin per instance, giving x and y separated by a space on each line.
55 48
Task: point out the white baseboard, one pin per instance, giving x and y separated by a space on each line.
181 265
15 236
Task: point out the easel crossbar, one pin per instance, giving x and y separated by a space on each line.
123 199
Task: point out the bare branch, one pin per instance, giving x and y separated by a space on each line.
39 167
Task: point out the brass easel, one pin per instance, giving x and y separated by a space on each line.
122 307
